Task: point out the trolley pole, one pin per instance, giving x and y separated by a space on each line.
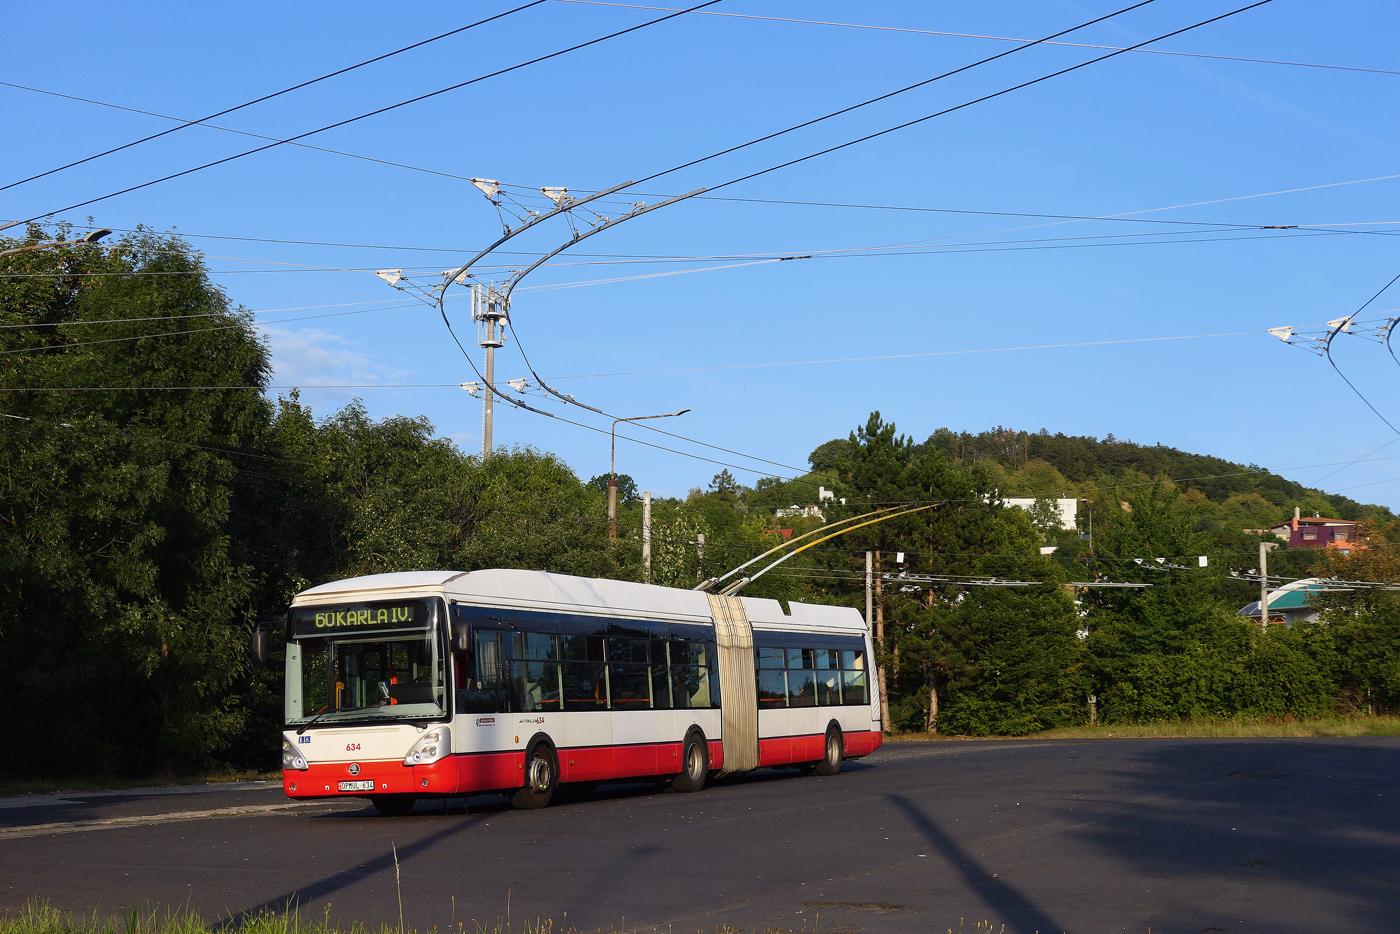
646 538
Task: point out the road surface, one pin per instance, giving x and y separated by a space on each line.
1080 836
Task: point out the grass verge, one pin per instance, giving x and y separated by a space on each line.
40 918
1199 729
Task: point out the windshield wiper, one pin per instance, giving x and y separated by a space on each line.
303 728
420 722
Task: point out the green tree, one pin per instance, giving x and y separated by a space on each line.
124 601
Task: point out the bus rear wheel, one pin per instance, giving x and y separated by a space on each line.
541 778
393 805
835 752
695 764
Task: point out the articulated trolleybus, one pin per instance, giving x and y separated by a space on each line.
440 684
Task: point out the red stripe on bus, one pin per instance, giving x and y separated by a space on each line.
478 772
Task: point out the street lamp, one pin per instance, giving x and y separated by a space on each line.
612 469
92 237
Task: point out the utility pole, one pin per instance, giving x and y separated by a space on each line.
869 589
699 556
880 644
1264 585
489 309
646 538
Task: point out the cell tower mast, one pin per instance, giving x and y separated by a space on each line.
489 310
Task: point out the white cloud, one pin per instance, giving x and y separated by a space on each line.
310 357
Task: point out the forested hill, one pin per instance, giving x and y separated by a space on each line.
1041 463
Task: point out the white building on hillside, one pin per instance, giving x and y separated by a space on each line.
1065 507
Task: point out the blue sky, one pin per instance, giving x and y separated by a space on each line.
1128 137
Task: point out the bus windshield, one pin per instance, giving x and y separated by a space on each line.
384 664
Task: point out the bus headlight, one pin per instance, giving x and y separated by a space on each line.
431 746
291 759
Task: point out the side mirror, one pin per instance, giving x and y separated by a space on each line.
461 637
259 650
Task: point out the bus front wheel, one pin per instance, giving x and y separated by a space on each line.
393 805
695 764
541 778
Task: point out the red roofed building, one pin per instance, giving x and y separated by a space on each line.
1320 532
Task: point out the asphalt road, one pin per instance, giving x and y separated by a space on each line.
1104 835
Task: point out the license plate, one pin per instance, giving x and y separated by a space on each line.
367 785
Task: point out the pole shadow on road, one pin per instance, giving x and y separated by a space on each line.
316 891
1019 912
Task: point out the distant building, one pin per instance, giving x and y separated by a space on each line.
1065 507
802 512
1291 603
1320 532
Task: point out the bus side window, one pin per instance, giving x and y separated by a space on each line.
629 673
534 672
828 678
660 674
853 683
585 677
490 666
690 673
772 679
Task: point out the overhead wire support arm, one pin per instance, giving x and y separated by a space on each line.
459 274
637 211
563 208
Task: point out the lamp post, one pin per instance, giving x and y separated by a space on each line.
612 469
92 237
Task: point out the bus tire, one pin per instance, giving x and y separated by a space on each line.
541 778
393 805
695 764
830 763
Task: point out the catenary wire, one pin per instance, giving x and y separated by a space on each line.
372 113
519 346
205 123
268 97
735 366
1327 352
974 101
1124 217
655 536
868 137
966 35
887 96
1111 487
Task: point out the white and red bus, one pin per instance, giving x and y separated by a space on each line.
443 684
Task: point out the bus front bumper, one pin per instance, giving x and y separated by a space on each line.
360 779
451 775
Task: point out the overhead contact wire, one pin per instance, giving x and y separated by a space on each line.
268 97
364 116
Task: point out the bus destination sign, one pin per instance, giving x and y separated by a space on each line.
325 620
